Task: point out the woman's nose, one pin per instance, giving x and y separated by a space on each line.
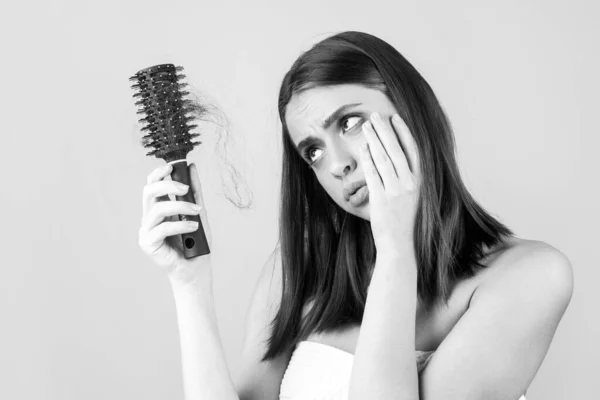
343 161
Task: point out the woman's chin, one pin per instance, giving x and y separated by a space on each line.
363 211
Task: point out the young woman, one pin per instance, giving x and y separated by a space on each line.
390 281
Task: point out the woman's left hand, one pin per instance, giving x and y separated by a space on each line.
393 178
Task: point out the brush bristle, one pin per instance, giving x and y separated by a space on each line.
162 101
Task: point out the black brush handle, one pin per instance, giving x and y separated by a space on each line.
194 243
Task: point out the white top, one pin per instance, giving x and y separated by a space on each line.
318 371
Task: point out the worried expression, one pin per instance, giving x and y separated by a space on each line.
325 125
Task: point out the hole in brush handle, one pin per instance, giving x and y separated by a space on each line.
195 243
189 243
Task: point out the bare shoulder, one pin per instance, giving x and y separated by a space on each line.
523 264
499 343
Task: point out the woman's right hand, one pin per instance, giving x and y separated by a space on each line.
160 231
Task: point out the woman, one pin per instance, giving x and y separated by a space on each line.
402 286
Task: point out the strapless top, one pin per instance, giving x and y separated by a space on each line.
318 371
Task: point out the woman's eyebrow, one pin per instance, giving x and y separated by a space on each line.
327 122
336 114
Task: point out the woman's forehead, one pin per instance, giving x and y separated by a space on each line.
308 109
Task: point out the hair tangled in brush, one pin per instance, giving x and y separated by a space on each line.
209 120
208 115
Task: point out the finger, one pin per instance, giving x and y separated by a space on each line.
380 159
161 189
391 143
156 175
374 183
154 238
159 173
160 211
408 143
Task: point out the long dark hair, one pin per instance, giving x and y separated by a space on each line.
326 252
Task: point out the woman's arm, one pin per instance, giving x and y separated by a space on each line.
493 352
205 372
384 361
255 379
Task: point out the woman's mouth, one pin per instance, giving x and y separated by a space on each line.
360 196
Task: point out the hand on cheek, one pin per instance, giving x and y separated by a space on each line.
393 178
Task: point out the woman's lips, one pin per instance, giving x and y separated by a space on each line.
350 188
360 196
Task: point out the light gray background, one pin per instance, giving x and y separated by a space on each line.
84 314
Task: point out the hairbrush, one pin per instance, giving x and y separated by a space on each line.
166 118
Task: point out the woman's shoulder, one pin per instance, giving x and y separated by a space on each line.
517 260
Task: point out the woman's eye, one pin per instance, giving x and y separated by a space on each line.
308 154
344 124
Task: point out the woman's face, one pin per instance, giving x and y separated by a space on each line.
333 148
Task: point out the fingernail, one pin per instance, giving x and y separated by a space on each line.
376 116
196 207
396 118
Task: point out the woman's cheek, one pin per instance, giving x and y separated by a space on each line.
355 140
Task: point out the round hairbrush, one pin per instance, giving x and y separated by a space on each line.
166 119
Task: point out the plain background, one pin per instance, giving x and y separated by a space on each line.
84 313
